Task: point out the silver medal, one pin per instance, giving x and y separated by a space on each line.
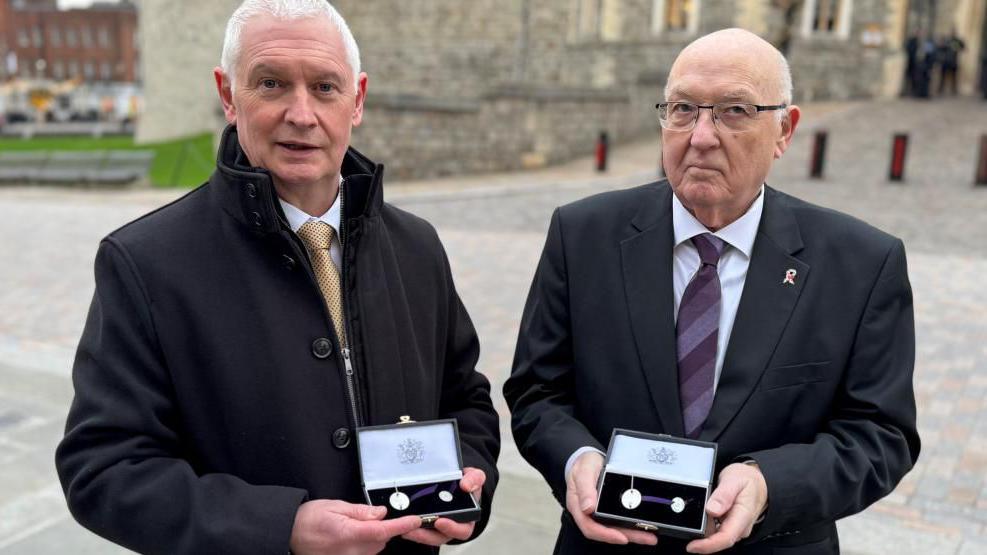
445 496
631 499
399 501
678 504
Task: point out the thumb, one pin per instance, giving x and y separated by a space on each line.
362 512
723 497
584 481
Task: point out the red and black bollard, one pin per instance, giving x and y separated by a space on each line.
818 155
899 148
982 162
602 151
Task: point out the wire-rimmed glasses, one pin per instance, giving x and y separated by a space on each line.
735 117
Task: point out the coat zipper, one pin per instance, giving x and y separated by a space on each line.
345 351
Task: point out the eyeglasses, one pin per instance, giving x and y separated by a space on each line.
727 116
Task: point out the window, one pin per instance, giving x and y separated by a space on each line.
104 37
58 70
23 40
71 39
587 19
598 19
87 37
38 37
827 17
73 69
675 16
55 37
105 72
89 71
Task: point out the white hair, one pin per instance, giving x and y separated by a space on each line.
285 10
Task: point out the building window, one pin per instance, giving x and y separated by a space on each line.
827 17
675 16
597 19
587 19
89 71
58 70
23 40
38 37
87 37
55 37
73 69
71 39
105 71
104 37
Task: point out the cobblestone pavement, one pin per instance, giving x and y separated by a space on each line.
493 227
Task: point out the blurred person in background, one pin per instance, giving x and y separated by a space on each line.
238 336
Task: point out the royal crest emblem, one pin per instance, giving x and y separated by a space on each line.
411 451
662 456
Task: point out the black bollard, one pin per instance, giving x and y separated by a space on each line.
982 162
898 150
602 148
818 155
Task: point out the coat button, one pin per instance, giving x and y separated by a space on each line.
322 348
251 190
341 438
289 262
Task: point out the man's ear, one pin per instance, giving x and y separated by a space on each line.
225 90
788 124
361 97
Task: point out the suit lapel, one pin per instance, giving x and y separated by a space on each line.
765 308
646 258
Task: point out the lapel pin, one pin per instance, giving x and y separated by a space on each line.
789 277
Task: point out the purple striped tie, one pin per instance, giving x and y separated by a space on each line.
696 331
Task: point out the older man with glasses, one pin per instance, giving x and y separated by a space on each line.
713 307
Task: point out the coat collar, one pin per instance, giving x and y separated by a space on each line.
247 193
765 306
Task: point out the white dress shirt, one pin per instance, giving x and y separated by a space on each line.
732 269
296 217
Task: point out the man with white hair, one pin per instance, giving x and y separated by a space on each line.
713 307
238 336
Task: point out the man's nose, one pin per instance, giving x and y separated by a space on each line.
300 110
704 134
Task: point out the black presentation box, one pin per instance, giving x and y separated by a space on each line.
657 483
414 468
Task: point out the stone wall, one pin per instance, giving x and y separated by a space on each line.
181 42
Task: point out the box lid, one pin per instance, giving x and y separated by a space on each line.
409 453
661 458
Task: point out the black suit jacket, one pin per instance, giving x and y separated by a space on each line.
816 385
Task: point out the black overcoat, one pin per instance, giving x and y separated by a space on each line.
210 396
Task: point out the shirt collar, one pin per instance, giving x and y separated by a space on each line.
296 217
739 234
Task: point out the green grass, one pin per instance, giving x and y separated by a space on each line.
180 163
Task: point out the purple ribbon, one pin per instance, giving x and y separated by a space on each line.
653 499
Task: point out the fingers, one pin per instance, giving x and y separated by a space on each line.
734 528
382 531
598 532
356 511
455 530
426 537
724 496
583 477
473 479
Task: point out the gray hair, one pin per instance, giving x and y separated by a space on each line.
285 10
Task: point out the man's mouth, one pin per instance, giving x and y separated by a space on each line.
296 146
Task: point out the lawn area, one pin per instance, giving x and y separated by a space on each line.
180 163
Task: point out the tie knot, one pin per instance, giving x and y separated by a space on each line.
316 235
710 248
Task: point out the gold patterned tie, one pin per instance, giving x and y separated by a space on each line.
317 236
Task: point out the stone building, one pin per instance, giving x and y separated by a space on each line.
458 87
96 44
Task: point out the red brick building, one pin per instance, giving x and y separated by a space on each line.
96 44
